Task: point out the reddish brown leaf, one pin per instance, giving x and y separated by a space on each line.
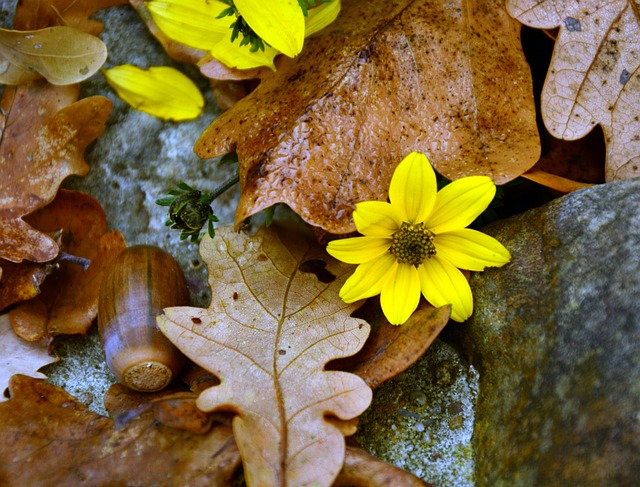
363 470
48 438
390 350
386 78
20 282
69 300
43 142
38 14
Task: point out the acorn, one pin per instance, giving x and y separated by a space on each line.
141 282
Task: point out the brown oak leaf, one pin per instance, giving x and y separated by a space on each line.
391 350
267 335
19 357
48 438
43 141
388 77
38 14
594 77
68 302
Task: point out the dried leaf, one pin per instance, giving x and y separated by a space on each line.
69 299
62 55
19 357
20 282
43 142
391 350
267 335
363 470
48 438
38 14
594 77
554 181
386 78
172 407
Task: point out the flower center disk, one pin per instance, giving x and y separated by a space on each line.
412 244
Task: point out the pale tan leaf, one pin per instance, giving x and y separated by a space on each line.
62 55
18 356
267 335
388 77
594 76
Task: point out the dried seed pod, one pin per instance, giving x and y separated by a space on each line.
142 281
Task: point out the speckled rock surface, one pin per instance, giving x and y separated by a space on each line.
422 420
556 338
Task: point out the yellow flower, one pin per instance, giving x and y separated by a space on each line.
417 241
160 91
280 23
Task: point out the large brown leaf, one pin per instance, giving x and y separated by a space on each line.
69 300
48 438
386 78
267 335
594 77
38 14
44 138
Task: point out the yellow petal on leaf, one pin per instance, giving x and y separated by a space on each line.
376 218
358 250
442 284
321 16
368 279
160 91
233 55
193 23
278 22
472 250
400 294
413 188
460 202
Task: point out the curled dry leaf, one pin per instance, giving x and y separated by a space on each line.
19 357
267 335
391 350
44 138
594 77
62 55
48 438
38 14
69 299
388 77
363 470
20 282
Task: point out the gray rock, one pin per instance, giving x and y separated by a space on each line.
556 338
422 419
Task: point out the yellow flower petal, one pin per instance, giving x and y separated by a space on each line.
279 22
368 279
321 16
400 294
460 202
413 188
471 250
442 284
191 22
234 55
159 91
376 218
358 250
